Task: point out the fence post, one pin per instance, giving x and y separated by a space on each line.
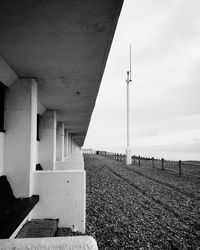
134 159
162 160
152 162
179 167
139 160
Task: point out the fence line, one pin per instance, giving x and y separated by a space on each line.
155 163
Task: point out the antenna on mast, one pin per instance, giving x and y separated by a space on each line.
128 148
130 65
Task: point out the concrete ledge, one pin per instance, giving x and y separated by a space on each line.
78 155
74 159
65 165
54 243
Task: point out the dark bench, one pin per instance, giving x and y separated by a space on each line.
12 210
39 167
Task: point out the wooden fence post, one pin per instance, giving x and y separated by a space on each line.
179 167
162 160
134 159
152 162
139 160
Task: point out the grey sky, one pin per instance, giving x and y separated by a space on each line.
165 105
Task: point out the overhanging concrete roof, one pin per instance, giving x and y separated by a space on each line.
64 44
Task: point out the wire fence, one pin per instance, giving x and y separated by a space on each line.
190 168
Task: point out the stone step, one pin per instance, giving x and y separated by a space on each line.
38 228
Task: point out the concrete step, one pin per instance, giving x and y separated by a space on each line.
38 228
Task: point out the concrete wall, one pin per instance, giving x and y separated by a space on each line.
66 139
41 108
62 195
7 75
69 144
74 158
60 141
66 165
20 136
47 144
75 149
1 153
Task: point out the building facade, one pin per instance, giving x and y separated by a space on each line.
52 58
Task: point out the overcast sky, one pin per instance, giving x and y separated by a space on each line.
165 104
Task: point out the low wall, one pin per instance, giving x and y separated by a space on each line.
62 196
69 165
56 243
74 159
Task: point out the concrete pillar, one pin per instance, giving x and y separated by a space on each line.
47 145
72 150
60 141
69 144
20 136
33 134
66 134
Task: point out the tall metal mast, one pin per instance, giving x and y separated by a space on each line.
128 148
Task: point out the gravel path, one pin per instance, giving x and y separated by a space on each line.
138 207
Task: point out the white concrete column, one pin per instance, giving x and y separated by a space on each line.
47 145
63 141
69 144
20 136
60 141
33 134
72 150
66 143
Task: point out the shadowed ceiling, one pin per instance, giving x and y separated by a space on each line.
64 45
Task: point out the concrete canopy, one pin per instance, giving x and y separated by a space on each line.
64 45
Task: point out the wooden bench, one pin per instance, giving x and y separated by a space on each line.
12 210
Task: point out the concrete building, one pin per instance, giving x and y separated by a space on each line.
52 58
